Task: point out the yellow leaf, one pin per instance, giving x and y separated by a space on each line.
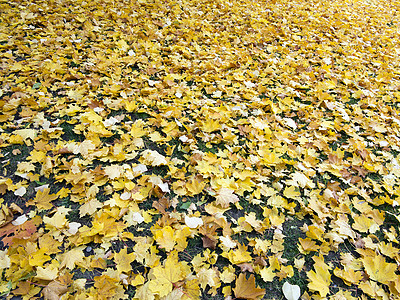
315 232
4 260
152 158
39 257
105 286
307 245
58 220
113 171
349 276
70 258
246 288
48 273
225 197
195 186
210 125
191 290
362 223
180 237
291 192
267 274
123 260
240 255
144 293
138 280
90 207
165 238
163 277
228 275
26 133
43 199
320 279
208 277
378 269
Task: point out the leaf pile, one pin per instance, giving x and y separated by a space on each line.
193 149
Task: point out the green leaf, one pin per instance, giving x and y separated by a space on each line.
185 205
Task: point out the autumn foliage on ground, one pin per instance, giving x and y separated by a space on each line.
195 149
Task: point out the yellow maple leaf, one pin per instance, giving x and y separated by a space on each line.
165 238
320 279
54 290
228 275
378 269
162 278
210 125
39 257
267 274
123 260
291 192
225 197
240 255
113 171
180 237
246 288
191 290
90 207
306 245
70 258
105 286
152 158
362 223
43 199
48 273
138 280
58 220
195 186
208 277
349 276
5 261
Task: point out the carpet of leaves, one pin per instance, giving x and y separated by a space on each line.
196 149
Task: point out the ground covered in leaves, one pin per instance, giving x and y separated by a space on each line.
198 149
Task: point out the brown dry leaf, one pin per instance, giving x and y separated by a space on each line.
246 267
209 242
54 290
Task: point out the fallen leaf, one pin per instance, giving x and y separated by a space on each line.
20 220
246 288
378 269
54 290
225 197
193 222
291 292
123 259
20 191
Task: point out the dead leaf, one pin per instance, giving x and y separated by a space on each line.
246 267
225 197
54 290
246 288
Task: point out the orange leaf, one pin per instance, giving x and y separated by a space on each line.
10 232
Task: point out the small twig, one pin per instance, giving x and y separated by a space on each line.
184 251
37 284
